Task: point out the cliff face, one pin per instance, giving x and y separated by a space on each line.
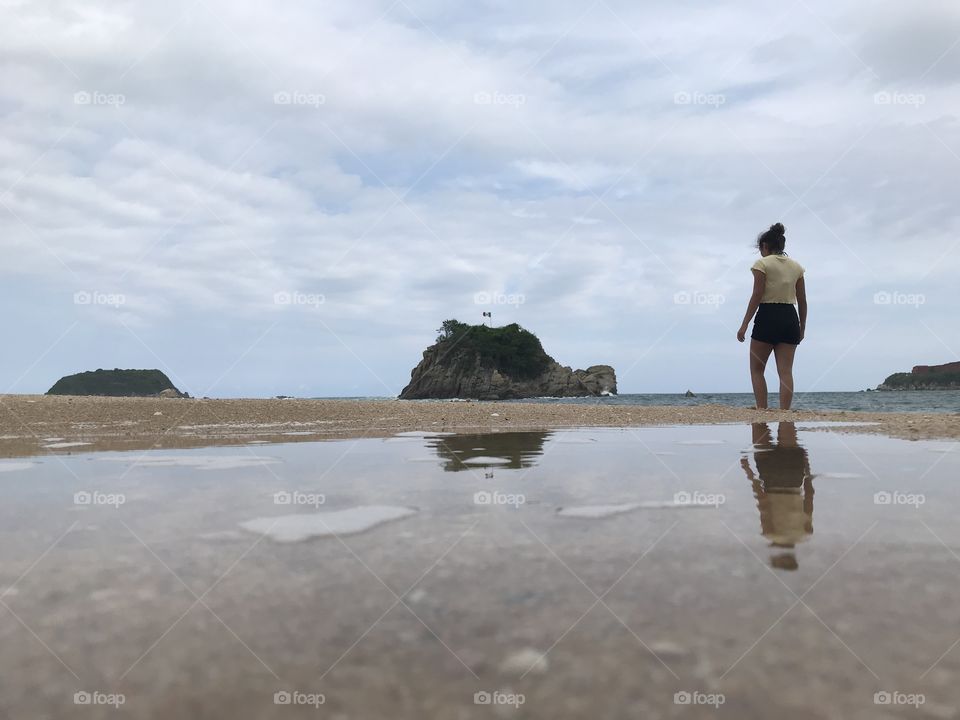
455 367
927 369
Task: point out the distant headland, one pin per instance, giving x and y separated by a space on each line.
925 377
117 383
504 363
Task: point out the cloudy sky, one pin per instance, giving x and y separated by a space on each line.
289 198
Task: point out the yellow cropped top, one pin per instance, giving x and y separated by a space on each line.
782 275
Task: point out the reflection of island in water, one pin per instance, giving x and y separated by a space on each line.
489 450
783 487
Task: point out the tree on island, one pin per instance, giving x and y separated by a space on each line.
510 349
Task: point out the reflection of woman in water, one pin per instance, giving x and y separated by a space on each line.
783 486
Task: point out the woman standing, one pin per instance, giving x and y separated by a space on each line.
777 287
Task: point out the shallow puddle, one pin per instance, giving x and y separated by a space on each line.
750 571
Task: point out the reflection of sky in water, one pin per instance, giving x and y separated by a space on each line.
777 464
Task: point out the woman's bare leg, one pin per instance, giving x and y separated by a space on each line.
761 435
785 354
759 354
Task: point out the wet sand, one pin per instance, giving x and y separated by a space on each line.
31 425
581 573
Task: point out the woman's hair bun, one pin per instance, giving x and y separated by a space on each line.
774 238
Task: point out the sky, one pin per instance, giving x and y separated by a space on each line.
289 198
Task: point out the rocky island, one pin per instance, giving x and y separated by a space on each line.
505 363
117 383
925 377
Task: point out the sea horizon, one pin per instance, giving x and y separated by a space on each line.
914 401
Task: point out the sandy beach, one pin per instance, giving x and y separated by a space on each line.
35 424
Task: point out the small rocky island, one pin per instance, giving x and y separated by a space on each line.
505 363
117 383
925 377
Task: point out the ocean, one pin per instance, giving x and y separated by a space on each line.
929 401
917 401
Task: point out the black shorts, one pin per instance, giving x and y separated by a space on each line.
782 468
777 323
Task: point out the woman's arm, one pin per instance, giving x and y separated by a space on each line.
759 285
802 306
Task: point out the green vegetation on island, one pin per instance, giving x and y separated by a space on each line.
925 381
510 349
116 383
504 363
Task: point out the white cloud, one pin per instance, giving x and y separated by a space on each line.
595 163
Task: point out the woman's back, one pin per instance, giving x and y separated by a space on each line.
782 273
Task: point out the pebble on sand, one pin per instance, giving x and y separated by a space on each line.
523 662
667 649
